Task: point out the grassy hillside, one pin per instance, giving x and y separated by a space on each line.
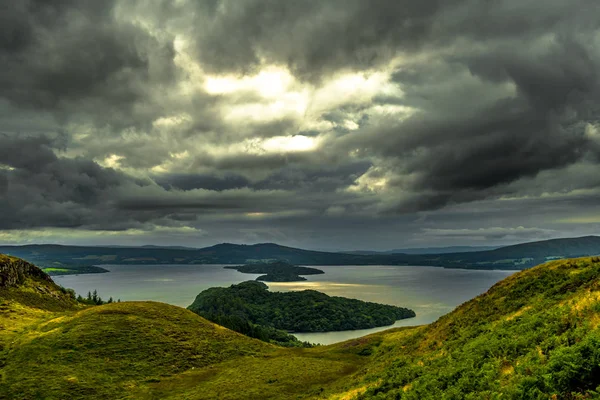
143 350
534 335
23 284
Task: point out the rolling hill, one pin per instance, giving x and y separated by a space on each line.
523 255
46 255
534 335
138 350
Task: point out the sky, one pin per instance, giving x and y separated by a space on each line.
322 124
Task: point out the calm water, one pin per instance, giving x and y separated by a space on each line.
430 291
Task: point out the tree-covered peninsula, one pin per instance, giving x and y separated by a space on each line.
303 311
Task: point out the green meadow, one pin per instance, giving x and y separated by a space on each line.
533 335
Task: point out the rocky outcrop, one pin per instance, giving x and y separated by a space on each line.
13 272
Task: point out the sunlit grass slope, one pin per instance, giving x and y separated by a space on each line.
534 335
112 350
144 350
153 350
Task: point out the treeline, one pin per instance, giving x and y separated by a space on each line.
265 333
93 298
304 311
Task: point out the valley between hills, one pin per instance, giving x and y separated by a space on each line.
533 335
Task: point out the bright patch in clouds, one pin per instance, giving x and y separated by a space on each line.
169 122
352 88
282 96
290 105
112 161
271 82
285 144
277 144
374 180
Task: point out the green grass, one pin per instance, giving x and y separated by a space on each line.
534 335
52 270
66 269
150 350
106 351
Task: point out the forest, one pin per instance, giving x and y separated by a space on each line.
302 311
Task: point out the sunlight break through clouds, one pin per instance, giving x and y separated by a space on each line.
336 124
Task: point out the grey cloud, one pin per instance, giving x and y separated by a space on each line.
493 233
299 178
41 189
75 56
311 37
505 93
44 190
202 181
250 161
315 38
474 136
174 203
3 183
324 178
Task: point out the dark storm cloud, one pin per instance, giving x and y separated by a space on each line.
202 181
491 117
106 122
174 203
75 56
3 183
317 178
318 37
45 190
548 53
292 178
312 37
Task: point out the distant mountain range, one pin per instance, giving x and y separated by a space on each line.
518 256
429 250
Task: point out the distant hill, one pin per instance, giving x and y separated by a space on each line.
226 253
534 335
429 250
510 257
524 255
151 246
569 247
